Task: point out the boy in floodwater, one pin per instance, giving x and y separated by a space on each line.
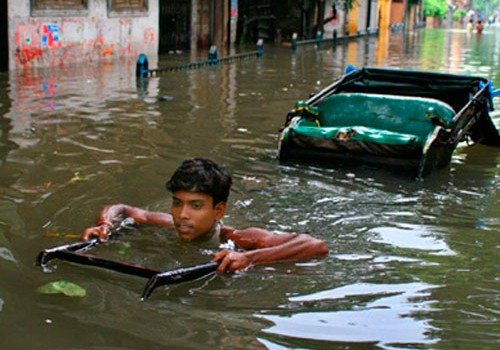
470 26
200 189
479 27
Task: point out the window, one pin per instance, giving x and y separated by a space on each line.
59 7
128 7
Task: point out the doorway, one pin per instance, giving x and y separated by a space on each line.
256 20
175 25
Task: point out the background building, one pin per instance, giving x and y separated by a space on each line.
45 33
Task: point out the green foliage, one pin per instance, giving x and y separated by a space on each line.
459 14
62 287
435 8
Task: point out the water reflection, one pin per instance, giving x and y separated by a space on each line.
383 314
409 236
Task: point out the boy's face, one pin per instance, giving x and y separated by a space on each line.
195 215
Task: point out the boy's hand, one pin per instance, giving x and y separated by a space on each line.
231 261
101 232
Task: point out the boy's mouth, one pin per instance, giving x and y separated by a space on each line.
183 229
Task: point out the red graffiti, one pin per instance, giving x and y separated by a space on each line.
27 54
102 50
149 35
108 51
98 43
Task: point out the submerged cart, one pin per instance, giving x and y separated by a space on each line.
409 120
78 253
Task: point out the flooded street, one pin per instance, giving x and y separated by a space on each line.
412 264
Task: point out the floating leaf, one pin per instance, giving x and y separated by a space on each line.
64 287
77 178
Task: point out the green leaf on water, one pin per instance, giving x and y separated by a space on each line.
64 287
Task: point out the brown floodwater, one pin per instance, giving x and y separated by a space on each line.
412 264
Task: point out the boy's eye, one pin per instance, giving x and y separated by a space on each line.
196 205
176 203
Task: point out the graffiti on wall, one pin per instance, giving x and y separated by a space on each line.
50 35
38 43
25 52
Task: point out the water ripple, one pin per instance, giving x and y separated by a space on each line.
376 312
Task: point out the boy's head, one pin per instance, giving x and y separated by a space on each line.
201 175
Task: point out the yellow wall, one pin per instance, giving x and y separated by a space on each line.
353 19
384 11
384 15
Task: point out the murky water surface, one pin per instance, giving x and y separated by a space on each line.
412 264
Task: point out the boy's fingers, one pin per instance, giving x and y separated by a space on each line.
97 231
219 255
223 266
87 234
84 237
224 262
102 233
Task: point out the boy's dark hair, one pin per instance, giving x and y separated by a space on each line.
201 175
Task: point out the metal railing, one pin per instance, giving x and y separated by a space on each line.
142 67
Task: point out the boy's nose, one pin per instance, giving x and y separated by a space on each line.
184 213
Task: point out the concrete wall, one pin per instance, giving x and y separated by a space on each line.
57 39
365 24
374 16
362 16
356 18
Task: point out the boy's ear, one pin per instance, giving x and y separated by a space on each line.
220 209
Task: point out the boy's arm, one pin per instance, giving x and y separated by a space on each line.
263 247
113 212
